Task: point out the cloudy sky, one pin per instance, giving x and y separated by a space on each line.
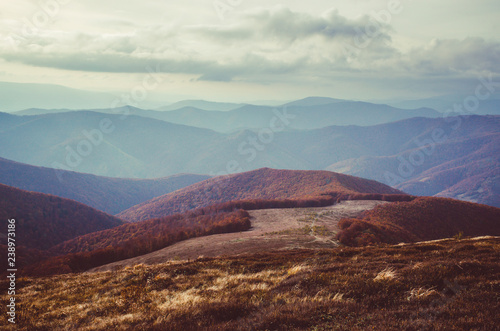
242 50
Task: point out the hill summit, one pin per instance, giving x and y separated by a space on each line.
264 183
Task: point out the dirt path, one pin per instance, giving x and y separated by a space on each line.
272 229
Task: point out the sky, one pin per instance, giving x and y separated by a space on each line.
245 51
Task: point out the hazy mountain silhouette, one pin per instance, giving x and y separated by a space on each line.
309 113
111 195
141 147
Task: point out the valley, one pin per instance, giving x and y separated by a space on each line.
271 230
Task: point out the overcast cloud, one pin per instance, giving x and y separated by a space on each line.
322 48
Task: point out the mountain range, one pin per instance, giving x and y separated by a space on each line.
111 195
309 113
422 156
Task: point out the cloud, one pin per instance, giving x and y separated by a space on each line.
456 56
259 45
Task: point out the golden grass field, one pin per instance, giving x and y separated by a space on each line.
441 285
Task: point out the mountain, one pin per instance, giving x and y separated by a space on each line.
18 96
128 146
263 183
111 195
475 177
201 104
422 219
311 113
133 146
305 114
40 111
44 220
490 106
313 101
128 110
139 147
446 167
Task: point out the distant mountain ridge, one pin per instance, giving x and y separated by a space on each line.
141 147
111 195
490 106
445 169
306 114
201 104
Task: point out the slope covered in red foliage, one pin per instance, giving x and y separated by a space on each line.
44 220
139 238
134 239
424 218
262 184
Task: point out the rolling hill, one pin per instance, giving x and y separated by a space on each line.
111 195
422 219
44 220
134 239
263 183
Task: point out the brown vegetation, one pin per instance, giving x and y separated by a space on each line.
45 220
264 184
424 218
446 285
134 239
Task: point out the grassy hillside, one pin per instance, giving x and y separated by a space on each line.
258 184
446 285
422 219
43 220
111 195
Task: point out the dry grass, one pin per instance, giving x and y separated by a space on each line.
450 285
420 293
386 274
